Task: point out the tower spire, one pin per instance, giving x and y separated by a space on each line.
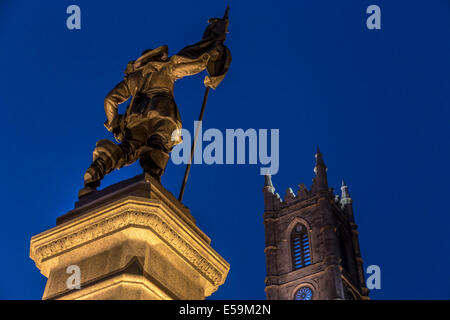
268 186
346 201
344 191
319 160
345 195
320 182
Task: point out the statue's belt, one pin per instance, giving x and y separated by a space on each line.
154 93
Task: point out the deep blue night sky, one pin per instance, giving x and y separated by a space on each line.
376 102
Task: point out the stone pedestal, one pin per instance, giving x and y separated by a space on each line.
132 240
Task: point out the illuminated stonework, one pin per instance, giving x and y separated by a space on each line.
130 247
312 246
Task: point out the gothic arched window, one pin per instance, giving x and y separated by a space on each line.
300 248
304 293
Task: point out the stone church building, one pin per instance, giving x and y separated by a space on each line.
312 247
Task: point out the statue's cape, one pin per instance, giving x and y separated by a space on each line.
218 64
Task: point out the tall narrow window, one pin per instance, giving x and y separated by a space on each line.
300 248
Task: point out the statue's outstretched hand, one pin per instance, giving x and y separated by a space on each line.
217 29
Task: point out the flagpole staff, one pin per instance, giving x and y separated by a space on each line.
188 167
223 29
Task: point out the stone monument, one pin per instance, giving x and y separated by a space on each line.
134 240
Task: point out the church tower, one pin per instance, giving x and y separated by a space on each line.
312 247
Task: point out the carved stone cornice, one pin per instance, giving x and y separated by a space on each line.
127 218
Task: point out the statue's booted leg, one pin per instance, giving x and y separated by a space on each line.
154 156
107 156
150 142
153 161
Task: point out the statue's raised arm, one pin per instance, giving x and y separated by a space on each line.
212 44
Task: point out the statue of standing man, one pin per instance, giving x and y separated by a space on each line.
150 127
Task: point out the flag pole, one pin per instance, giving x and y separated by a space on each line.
200 118
188 167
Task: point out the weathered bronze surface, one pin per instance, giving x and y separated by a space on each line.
146 130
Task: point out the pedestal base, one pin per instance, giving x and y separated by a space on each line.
132 240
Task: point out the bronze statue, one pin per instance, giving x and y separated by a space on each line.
148 129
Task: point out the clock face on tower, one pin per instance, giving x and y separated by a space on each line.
304 293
